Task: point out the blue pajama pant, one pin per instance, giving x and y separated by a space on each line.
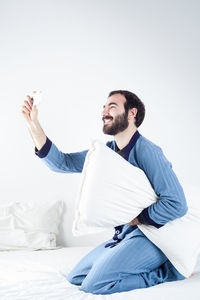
126 262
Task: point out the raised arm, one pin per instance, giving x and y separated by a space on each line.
30 114
55 159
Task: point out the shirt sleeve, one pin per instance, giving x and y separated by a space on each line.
171 202
44 150
61 162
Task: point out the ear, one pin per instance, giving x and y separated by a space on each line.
132 113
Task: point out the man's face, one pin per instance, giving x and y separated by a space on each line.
114 117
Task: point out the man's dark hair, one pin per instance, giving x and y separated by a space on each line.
132 101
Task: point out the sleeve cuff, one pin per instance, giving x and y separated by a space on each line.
144 218
44 150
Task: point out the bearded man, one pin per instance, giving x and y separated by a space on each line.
129 260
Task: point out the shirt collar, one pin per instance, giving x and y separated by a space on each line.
126 150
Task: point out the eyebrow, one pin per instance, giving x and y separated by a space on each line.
111 103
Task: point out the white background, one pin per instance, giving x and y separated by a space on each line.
76 52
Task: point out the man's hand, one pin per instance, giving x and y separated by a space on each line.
134 222
29 111
30 114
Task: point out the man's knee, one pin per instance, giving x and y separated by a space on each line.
112 284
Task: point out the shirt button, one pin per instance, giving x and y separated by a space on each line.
117 232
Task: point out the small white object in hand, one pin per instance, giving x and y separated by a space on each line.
37 97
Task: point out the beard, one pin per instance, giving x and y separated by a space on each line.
119 124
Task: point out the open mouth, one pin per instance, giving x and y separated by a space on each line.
107 119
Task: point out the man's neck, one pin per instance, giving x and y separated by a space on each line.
123 138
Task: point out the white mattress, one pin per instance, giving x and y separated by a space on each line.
41 275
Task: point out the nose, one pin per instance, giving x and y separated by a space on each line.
104 112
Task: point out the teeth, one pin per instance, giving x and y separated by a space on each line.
107 120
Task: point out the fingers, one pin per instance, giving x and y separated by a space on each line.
26 109
28 104
30 101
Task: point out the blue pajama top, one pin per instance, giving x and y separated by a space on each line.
141 153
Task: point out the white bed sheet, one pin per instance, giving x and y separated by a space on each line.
41 275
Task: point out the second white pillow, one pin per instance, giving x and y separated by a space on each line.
30 225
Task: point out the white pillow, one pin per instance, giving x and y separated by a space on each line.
112 192
29 225
180 238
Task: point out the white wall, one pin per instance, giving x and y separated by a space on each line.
76 52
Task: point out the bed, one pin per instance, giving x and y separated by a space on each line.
26 274
41 274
